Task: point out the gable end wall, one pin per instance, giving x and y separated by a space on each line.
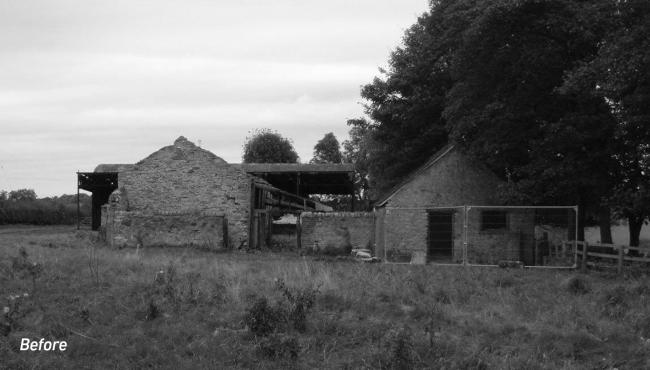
185 179
450 182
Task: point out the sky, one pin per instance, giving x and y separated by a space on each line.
87 82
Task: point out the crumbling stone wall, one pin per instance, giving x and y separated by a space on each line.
336 231
130 229
183 179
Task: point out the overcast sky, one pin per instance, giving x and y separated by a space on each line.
87 82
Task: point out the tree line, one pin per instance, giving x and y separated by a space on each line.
552 95
23 207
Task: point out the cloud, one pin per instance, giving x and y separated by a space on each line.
87 82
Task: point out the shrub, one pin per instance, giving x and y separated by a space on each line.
300 301
22 267
280 346
165 283
57 330
441 296
192 293
331 301
400 351
504 281
614 302
576 285
12 312
152 311
643 327
263 319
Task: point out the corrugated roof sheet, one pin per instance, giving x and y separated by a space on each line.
113 167
295 167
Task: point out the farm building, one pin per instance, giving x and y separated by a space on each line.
426 217
185 195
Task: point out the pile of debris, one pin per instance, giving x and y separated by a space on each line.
364 255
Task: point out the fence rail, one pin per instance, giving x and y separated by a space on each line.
598 250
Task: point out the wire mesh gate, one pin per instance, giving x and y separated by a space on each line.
480 235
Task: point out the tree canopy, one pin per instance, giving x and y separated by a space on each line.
266 146
551 95
327 150
620 75
357 150
21 195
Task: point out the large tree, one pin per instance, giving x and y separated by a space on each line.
266 146
506 108
489 76
327 150
620 75
406 102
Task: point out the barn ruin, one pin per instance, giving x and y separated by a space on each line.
185 195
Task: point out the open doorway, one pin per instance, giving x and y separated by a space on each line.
441 238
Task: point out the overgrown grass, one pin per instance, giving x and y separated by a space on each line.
182 308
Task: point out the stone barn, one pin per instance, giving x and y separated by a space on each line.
425 218
185 195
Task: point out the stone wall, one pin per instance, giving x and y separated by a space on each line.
133 228
406 232
185 179
183 188
336 230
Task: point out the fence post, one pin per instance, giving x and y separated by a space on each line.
298 233
584 255
465 241
620 259
78 205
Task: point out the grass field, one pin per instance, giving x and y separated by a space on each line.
181 308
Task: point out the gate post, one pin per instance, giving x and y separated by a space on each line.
584 255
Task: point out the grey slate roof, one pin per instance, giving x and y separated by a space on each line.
434 158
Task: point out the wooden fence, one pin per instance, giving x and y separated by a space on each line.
617 253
